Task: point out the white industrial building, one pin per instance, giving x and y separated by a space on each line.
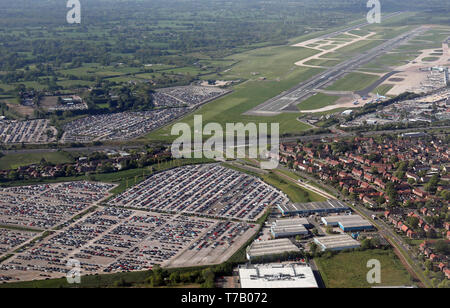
348 223
272 247
288 231
336 242
291 221
277 276
289 227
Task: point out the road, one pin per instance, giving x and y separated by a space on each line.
402 249
305 89
341 134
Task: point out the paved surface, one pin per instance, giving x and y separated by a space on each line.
294 96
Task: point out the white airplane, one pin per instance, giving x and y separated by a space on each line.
380 96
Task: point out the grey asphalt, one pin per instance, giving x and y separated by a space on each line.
284 101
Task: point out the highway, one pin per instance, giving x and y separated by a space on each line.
305 89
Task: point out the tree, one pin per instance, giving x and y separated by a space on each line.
442 247
431 186
174 277
412 222
428 265
313 248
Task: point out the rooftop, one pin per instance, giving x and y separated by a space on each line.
346 220
337 242
277 276
271 247
329 205
291 221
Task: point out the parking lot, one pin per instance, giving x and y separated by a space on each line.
215 246
190 96
118 126
114 240
43 207
33 131
12 239
206 190
137 229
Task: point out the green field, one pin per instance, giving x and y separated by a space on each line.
295 193
322 62
276 64
349 269
353 82
13 161
383 89
430 59
317 101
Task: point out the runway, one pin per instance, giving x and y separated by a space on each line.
287 101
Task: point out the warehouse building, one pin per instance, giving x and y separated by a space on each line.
277 276
329 206
268 248
348 223
291 221
288 231
289 227
336 242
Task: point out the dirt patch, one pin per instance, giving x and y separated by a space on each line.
21 109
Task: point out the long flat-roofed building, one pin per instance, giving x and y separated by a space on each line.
273 247
288 231
337 242
277 276
289 227
348 223
291 221
329 206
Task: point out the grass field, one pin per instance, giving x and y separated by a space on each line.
383 89
353 82
13 161
230 108
349 269
294 192
430 59
267 72
317 101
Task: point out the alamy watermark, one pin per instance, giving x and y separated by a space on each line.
241 141
74 274
374 274
374 15
74 14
